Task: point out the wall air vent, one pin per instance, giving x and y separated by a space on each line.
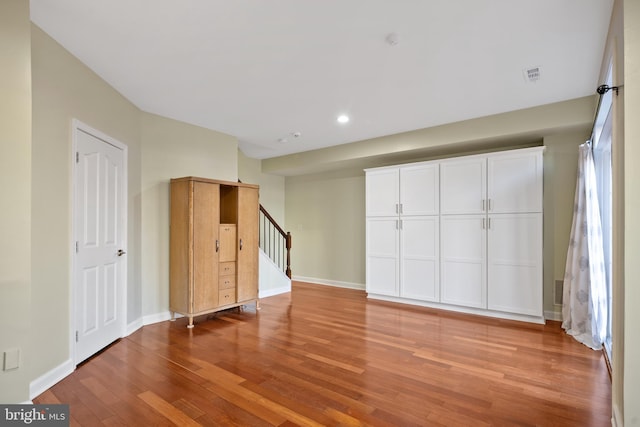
532 74
558 290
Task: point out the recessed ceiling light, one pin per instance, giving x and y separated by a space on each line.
343 118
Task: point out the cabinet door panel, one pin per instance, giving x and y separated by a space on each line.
382 256
227 242
247 255
382 192
515 263
420 258
419 189
463 260
463 186
515 182
205 258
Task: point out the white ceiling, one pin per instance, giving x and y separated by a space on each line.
263 70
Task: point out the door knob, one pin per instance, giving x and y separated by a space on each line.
121 252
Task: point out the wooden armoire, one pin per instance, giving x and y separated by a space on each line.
213 247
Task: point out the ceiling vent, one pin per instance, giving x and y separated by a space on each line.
532 75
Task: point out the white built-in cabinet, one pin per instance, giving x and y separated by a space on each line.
402 209
460 233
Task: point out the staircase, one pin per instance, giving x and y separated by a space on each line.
275 258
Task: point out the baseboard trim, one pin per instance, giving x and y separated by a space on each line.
616 417
459 309
276 291
335 283
49 379
134 326
553 315
150 319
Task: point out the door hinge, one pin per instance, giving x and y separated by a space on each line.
76 336
77 157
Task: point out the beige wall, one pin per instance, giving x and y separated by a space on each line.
560 176
325 214
63 89
172 149
520 127
271 186
36 172
15 187
631 154
614 54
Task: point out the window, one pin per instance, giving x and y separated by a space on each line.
601 143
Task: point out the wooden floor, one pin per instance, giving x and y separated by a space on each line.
327 356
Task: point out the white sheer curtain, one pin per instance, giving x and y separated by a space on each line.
584 300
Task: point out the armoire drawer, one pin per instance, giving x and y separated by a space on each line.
227 296
227 282
227 268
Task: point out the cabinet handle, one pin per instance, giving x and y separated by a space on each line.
240 244
217 245
483 223
489 204
397 208
489 224
483 204
401 207
400 223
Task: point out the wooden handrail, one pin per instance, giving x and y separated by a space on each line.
286 236
272 221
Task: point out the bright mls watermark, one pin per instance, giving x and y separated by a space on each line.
34 415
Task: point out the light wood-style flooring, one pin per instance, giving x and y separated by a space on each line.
328 356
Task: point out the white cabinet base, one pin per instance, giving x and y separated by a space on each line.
459 309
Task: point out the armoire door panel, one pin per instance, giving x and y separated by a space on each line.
382 256
515 263
420 258
382 237
463 186
514 182
247 255
419 189
463 260
180 256
420 279
382 192
382 275
205 234
227 245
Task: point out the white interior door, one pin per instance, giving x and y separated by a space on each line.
100 236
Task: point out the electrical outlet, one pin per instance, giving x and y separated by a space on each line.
11 359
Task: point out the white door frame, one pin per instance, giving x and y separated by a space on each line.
78 126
